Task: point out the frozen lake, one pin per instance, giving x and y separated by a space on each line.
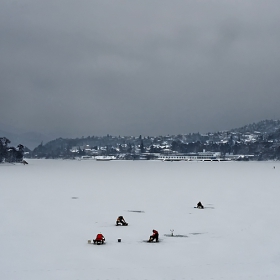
50 208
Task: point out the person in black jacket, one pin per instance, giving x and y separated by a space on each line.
121 221
199 205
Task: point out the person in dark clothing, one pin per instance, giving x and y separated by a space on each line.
199 205
154 236
121 221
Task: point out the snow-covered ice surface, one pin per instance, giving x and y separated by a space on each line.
50 208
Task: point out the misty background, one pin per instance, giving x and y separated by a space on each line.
79 68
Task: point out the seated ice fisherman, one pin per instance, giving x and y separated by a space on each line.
99 239
154 236
199 205
121 221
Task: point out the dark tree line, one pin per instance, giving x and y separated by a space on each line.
8 153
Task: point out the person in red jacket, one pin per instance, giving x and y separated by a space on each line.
154 236
99 239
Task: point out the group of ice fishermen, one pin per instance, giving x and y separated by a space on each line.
100 239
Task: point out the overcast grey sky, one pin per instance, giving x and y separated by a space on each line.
149 67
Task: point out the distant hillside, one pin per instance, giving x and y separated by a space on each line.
261 141
266 126
253 138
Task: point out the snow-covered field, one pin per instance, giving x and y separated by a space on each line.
50 208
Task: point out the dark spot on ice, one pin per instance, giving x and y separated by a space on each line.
74 197
135 211
196 233
175 235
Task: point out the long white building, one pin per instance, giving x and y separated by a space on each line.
202 156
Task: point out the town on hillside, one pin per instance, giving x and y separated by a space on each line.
257 141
